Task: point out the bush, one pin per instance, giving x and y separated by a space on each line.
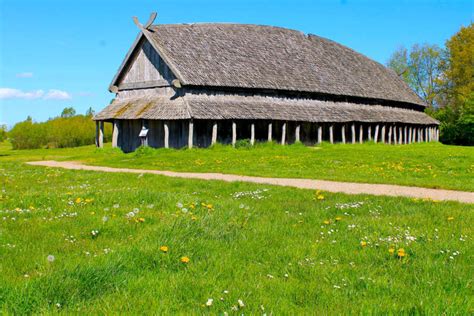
3 133
243 143
60 132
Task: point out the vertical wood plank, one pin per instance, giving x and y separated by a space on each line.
353 133
361 134
320 134
283 134
234 133
369 132
115 134
167 134
343 132
190 134
382 137
214 133
270 132
390 135
331 134
376 136
297 133
252 134
101 134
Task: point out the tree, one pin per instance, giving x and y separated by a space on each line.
3 132
68 112
459 74
90 112
421 68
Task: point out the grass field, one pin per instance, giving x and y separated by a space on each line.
87 242
426 165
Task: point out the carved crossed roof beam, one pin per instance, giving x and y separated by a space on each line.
148 23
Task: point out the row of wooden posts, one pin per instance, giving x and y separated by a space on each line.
396 134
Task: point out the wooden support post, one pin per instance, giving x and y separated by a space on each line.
369 133
252 134
101 134
395 135
390 135
426 134
97 133
343 133
414 135
190 134
405 135
270 131
376 136
382 138
297 133
167 134
437 134
283 134
214 134
353 133
400 135
320 134
361 134
115 134
410 135
234 133
331 134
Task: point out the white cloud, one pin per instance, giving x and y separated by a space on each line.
25 75
52 94
55 94
7 93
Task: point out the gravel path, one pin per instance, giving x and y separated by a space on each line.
330 186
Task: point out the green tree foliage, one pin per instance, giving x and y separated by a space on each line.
68 112
63 131
3 132
444 78
421 68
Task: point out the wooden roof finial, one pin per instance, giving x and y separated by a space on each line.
148 23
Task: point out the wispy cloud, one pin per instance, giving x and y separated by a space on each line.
7 93
55 94
25 75
52 94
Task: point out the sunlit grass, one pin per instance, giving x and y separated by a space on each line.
427 165
277 250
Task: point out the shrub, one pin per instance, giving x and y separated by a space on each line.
243 143
3 133
59 132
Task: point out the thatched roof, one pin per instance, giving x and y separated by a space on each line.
225 106
265 57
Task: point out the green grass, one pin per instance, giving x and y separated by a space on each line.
426 165
274 252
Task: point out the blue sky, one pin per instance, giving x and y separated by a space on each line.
59 53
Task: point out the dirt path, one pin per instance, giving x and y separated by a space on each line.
330 186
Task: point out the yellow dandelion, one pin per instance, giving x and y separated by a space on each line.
164 248
401 253
92 213
320 197
391 251
194 218
78 200
338 219
185 259
450 218
326 222
363 243
141 220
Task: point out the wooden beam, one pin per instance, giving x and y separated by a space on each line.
437 134
331 134
410 133
270 132
143 85
190 133
395 135
369 132
252 134
382 137
353 133
320 134
214 133
283 134
101 134
405 134
234 133
343 133
376 135
361 133
97 133
167 134
297 133
390 135
115 134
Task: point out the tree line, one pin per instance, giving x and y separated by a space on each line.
67 130
444 78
